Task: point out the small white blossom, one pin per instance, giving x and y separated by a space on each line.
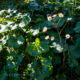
69 19
45 29
52 38
35 32
61 15
67 36
59 48
49 17
47 37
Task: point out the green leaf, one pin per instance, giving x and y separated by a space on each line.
43 24
26 20
77 28
61 22
44 47
15 42
3 75
53 34
35 51
32 50
72 61
75 50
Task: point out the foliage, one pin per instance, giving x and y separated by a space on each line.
39 43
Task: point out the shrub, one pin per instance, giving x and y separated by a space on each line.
39 45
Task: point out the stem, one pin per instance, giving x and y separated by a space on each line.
63 28
63 56
58 31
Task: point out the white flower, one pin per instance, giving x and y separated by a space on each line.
47 37
59 48
35 32
67 36
69 19
49 18
53 45
52 38
61 15
45 29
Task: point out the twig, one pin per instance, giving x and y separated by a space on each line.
63 28
58 31
61 40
